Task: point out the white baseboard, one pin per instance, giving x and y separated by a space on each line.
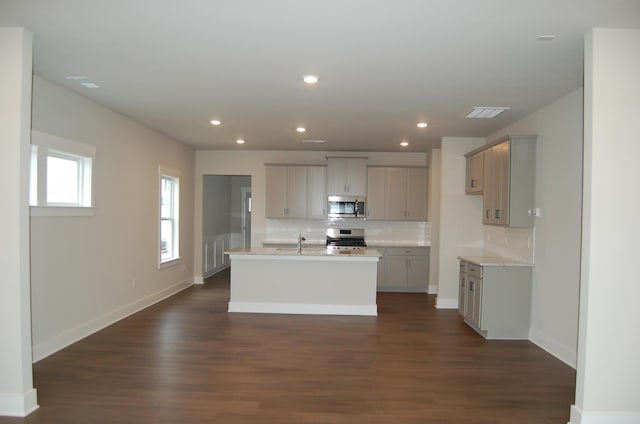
433 289
198 279
557 349
299 308
581 417
445 303
62 340
18 404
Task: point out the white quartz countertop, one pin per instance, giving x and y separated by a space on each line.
315 243
494 261
398 243
306 251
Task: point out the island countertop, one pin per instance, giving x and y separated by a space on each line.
306 253
497 261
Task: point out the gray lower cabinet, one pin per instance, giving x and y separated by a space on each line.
403 269
495 300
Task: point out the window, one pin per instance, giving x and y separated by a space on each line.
61 176
169 246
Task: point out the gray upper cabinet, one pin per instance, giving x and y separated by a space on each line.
475 170
295 191
397 193
508 181
316 191
376 192
286 191
346 176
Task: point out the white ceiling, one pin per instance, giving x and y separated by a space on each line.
383 65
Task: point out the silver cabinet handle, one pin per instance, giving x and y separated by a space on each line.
497 213
487 213
473 182
470 285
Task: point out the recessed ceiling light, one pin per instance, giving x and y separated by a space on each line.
486 112
301 129
542 37
310 79
215 122
422 125
404 143
240 141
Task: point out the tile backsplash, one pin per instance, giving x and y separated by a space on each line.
513 243
314 230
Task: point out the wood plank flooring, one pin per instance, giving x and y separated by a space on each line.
186 360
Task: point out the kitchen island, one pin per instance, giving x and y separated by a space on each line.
310 281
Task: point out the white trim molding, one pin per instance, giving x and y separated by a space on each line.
62 340
302 308
444 303
555 348
589 417
18 404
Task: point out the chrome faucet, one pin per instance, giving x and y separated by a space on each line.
300 240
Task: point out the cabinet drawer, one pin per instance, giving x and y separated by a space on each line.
475 270
463 266
407 251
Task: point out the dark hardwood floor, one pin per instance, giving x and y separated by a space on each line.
186 360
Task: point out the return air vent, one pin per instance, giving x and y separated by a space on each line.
485 112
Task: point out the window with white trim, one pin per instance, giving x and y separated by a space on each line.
169 225
61 173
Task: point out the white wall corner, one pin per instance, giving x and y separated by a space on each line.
198 279
433 289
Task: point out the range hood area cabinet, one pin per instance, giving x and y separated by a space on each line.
295 191
507 180
346 176
397 193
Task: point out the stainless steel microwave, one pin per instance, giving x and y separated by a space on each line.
346 207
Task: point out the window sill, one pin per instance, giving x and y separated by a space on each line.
46 211
169 263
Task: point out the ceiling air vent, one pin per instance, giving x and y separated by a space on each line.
484 112
311 141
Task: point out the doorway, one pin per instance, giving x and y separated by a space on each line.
226 222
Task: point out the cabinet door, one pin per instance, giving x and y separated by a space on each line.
276 192
475 171
396 271
296 192
477 302
376 180
357 177
337 176
487 198
501 184
473 301
418 272
396 208
462 293
417 194
381 277
316 192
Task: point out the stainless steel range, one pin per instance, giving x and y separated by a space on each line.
345 239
